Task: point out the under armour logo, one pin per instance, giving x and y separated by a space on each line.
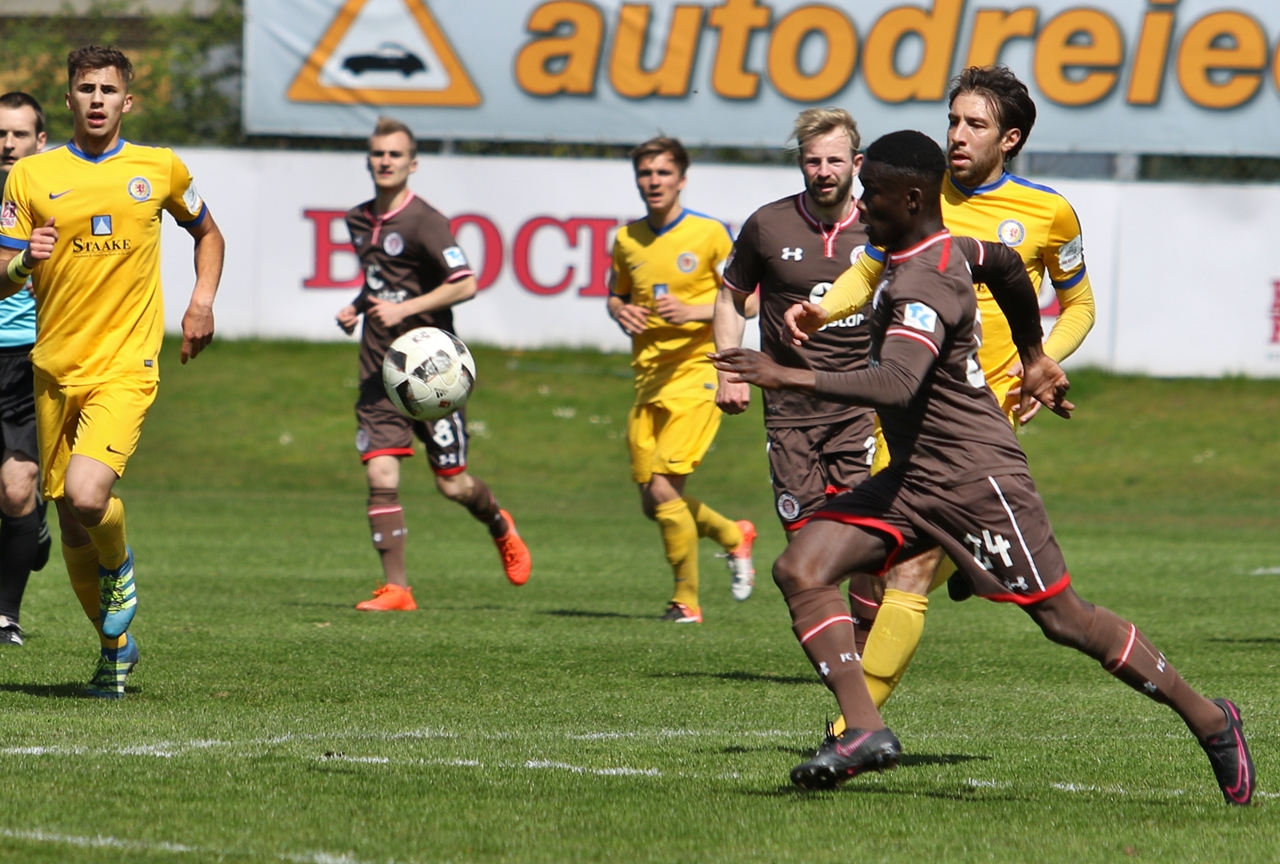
1149 687
789 254
1021 584
846 658
824 668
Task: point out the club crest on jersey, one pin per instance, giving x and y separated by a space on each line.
394 244
856 254
139 189
687 262
101 226
920 317
788 506
789 254
1011 232
8 214
362 440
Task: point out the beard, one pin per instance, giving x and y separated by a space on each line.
980 167
832 196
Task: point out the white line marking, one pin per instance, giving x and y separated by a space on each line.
100 842
1265 571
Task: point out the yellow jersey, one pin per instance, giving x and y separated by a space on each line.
99 307
685 260
1037 223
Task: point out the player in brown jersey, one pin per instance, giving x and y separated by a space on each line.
794 249
414 272
957 479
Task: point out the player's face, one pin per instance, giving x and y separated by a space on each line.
975 145
389 160
884 207
660 182
98 100
829 165
18 136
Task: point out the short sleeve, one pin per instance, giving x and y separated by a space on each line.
442 248
15 211
742 266
184 203
1064 251
621 272
721 250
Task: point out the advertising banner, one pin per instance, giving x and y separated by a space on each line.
1147 76
1186 278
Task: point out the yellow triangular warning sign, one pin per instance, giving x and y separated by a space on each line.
385 52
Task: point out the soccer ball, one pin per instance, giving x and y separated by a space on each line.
428 373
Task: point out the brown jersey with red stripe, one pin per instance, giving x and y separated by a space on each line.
405 253
792 256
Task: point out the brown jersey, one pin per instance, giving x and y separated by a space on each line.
945 427
792 257
405 253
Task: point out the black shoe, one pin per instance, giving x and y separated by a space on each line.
10 632
958 587
46 542
1229 755
849 755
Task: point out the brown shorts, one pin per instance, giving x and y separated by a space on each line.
810 464
384 431
995 529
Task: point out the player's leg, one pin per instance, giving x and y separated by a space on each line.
662 499
23 543
383 437
446 441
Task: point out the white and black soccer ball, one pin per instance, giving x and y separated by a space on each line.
428 373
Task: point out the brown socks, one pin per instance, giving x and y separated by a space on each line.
822 623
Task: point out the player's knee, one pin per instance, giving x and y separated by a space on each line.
454 488
1061 622
790 574
18 499
87 503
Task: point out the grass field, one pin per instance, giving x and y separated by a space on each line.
562 721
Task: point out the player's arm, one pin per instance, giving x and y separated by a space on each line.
461 289
631 318
1064 260
737 300
853 290
19 264
197 322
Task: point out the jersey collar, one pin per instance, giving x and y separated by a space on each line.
969 193
829 232
71 145
931 240
379 220
658 232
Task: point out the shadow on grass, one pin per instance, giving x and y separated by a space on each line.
754 677
1259 640
796 752
72 690
585 613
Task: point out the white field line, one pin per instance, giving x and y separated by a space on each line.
170 749
531 764
101 842
1265 571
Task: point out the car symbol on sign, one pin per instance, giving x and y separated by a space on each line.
389 57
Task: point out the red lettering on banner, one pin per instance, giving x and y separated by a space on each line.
601 254
492 251
1275 314
1052 309
325 248
570 228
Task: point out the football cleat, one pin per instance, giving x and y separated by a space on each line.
10 632
1229 755
517 563
740 564
678 613
119 597
389 598
847 755
114 665
958 587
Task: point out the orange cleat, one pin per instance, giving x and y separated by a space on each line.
516 560
389 598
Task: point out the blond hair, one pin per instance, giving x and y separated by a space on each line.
390 126
816 122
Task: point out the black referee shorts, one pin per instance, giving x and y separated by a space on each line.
17 401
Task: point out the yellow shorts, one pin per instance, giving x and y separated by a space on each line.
101 421
880 460
670 437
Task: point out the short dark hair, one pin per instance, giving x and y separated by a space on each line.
97 57
390 126
913 153
1007 96
656 147
18 99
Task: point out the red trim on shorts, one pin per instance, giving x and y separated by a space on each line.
387 451
833 491
818 628
448 472
875 525
796 525
1031 599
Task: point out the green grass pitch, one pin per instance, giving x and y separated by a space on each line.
561 721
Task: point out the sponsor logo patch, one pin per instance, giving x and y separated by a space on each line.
8 214
687 262
1011 232
788 507
1071 254
191 200
139 189
394 245
101 226
455 257
919 316
819 291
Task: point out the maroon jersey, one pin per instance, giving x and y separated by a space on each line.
792 257
405 253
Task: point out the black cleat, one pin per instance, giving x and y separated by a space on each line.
10 632
852 753
958 587
1229 755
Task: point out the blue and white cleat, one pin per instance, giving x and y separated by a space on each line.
114 665
118 597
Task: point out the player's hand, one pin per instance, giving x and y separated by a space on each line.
804 318
673 311
1044 381
197 329
633 319
347 317
1015 392
40 245
751 367
385 312
732 397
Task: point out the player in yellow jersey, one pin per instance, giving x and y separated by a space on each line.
991 114
667 270
83 222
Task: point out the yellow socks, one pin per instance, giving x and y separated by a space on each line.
108 535
82 567
893 642
680 537
711 524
